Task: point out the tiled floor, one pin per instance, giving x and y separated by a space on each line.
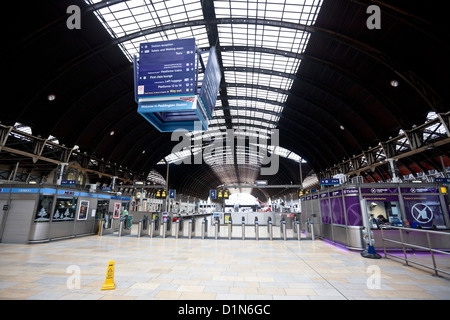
208 269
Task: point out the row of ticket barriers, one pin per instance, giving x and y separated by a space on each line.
207 226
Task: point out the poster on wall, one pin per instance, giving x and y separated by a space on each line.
83 210
117 210
424 210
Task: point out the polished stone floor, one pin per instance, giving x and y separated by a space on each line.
209 269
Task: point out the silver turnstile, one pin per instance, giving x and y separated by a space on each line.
216 227
230 228
256 229
297 232
270 228
177 227
143 227
309 229
155 229
204 228
123 227
243 228
283 229
106 227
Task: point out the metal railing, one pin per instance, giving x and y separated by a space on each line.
414 246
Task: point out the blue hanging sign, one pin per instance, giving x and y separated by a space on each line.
212 194
172 193
211 83
166 68
329 182
442 180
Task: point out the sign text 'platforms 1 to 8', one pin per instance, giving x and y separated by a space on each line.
166 68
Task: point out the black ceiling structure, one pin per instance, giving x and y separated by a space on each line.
339 108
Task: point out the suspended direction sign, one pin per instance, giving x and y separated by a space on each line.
166 68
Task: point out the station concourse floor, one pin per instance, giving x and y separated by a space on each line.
199 269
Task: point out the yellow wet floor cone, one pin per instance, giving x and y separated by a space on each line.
109 281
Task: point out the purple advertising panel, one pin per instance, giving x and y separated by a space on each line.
379 190
419 190
325 211
424 210
353 211
337 209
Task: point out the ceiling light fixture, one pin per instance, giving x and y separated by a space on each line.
394 83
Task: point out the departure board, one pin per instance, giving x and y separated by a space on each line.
166 68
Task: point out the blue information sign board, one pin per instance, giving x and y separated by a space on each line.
166 68
442 180
172 193
329 182
211 83
212 194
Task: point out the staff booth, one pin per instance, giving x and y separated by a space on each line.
405 204
33 214
18 209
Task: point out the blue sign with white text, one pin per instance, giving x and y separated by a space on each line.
212 194
166 68
172 193
329 182
442 180
211 83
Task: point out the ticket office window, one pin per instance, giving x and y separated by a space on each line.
385 212
65 209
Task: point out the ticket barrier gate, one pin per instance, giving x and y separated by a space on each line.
204 228
178 227
216 227
106 225
309 229
297 232
166 226
256 229
143 226
230 227
283 229
243 228
188 228
154 229
125 225
270 228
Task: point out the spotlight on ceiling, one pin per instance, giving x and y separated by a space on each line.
394 83
51 97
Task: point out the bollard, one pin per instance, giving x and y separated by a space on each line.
256 229
230 228
243 228
299 234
